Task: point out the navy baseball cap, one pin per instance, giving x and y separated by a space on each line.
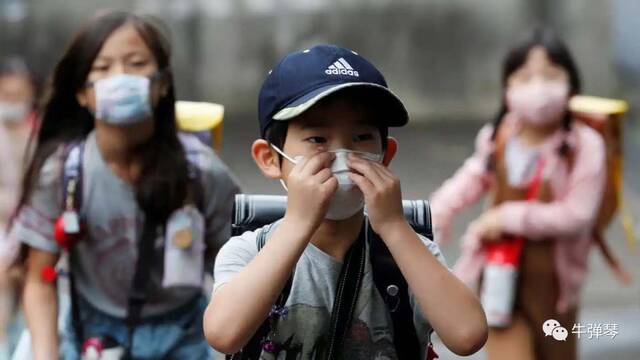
303 78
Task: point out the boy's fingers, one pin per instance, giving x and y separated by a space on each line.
303 162
323 175
331 183
317 162
382 170
363 183
368 171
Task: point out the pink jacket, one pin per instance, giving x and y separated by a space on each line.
12 148
568 219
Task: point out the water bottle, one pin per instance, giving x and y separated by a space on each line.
500 281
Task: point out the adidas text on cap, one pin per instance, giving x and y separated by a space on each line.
303 78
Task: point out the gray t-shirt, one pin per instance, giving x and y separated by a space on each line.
103 262
303 332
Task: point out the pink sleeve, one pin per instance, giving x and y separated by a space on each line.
9 177
572 213
464 188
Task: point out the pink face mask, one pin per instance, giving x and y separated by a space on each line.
538 103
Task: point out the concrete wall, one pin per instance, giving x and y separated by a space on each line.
441 56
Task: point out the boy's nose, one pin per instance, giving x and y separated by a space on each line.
340 143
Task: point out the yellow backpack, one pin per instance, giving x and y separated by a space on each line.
202 119
605 116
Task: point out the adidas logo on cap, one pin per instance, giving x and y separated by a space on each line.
341 67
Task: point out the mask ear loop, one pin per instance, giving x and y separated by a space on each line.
283 154
286 157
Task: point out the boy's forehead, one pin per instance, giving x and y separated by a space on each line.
335 114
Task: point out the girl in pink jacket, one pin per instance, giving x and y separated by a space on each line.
545 174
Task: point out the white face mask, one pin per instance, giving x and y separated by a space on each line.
123 99
348 199
13 112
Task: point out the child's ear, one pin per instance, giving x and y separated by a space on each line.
266 159
164 87
390 153
81 97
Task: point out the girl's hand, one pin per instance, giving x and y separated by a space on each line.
488 226
381 191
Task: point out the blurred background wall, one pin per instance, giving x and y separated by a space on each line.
442 56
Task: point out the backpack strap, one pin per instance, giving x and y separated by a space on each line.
394 290
72 176
349 284
196 190
72 201
140 284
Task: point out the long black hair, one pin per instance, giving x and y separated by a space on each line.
162 184
558 53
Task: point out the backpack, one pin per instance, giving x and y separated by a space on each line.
202 119
259 212
605 117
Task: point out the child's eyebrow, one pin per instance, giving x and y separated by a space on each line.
312 125
127 55
102 58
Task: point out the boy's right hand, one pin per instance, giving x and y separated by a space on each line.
311 186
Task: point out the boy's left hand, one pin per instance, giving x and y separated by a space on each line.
381 190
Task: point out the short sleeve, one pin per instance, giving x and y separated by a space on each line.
423 328
233 257
35 221
221 187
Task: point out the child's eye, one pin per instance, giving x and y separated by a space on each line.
316 139
100 68
139 64
363 137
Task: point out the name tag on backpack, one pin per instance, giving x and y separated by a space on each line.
184 248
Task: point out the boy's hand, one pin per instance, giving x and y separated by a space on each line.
381 191
311 186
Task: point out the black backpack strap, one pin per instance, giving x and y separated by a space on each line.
394 289
140 284
349 284
195 177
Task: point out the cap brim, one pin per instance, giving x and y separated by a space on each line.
303 103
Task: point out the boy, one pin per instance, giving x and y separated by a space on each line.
324 117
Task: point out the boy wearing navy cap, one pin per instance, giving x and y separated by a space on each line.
308 293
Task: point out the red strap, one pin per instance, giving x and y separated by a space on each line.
509 250
534 186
